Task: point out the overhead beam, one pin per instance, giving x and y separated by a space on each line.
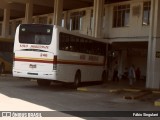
3 4
17 6
73 4
48 3
16 1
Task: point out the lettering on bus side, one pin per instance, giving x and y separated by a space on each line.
43 55
93 58
23 45
39 47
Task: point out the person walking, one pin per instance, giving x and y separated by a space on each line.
131 75
115 73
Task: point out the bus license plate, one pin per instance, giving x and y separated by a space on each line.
32 66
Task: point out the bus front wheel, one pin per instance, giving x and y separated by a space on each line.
44 83
104 77
2 68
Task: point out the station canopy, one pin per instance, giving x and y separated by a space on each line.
40 7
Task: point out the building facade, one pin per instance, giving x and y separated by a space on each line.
132 28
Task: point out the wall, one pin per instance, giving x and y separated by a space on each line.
135 28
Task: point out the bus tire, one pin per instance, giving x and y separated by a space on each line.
44 83
104 77
77 79
2 68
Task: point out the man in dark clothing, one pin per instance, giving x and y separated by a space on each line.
115 73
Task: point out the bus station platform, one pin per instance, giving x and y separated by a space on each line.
122 88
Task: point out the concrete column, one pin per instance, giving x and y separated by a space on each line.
65 19
6 18
153 63
58 9
29 11
13 28
98 11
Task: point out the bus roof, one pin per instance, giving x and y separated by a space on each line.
62 29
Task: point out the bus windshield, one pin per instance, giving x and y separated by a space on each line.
35 34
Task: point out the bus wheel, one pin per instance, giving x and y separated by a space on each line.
44 83
77 80
2 68
103 77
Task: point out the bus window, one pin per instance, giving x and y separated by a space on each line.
40 35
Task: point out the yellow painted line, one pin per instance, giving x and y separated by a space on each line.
157 103
133 97
114 90
82 89
33 80
156 92
132 90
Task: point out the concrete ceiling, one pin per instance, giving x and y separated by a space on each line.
43 7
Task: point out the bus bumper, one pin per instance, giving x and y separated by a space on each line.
37 75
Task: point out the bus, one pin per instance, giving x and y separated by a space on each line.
6 55
52 53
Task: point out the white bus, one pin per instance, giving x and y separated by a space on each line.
52 53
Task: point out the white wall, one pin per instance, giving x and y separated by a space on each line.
135 28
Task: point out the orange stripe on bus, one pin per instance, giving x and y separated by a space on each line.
60 62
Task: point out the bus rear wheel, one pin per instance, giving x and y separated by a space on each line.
77 80
44 83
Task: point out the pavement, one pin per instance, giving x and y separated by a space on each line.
135 92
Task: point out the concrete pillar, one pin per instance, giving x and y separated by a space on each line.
58 9
65 19
98 11
29 12
153 63
6 18
13 28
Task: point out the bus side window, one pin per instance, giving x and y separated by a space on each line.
90 47
82 45
67 42
77 45
61 41
72 43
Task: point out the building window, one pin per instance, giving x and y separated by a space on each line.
76 20
43 20
62 22
121 14
146 13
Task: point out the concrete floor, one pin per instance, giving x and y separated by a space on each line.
18 94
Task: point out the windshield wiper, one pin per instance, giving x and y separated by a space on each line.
37 50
